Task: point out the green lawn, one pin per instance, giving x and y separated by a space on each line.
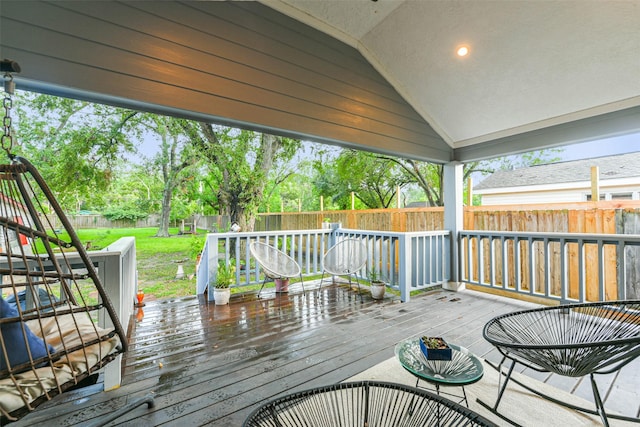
158 258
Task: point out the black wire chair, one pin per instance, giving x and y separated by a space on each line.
572 340
363 403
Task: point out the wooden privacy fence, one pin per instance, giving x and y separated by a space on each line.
582 266
396 220
621 217
212 223
99 221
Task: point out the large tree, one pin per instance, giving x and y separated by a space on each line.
74 144
373 179
173 160
241 163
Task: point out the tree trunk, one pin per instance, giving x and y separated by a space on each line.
171 164
163 230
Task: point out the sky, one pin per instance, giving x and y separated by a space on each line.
589 150
604 147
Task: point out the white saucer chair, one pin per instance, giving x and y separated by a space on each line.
345 258
275 263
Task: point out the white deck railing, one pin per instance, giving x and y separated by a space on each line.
563 267
406 261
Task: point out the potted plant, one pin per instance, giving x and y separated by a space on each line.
435 348
376 285
225 278
195 248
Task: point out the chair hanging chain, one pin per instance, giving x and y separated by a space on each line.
7 137
7 66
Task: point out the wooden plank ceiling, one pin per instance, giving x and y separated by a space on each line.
377 76
235 63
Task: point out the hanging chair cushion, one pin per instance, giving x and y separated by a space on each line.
68 330
44 298
16 336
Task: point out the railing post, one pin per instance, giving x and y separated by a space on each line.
118 281
622 271
564 273
115 289
212 264
334 226
202 269
405 261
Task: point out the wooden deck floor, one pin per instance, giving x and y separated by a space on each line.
211 365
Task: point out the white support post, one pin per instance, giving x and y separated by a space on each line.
595 184
453 213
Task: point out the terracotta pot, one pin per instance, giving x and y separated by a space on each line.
282 285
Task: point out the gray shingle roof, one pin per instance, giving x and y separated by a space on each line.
611 167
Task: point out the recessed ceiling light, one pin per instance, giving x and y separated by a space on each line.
462 51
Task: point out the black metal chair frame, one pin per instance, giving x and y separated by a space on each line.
363 403
571 340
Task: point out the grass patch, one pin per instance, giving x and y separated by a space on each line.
157 258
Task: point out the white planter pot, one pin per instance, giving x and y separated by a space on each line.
331 225
221 296
377 290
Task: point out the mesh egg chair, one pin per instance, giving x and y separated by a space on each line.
345 258
275 263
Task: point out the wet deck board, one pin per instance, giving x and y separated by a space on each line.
211 365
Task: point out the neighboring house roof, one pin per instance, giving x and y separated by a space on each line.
610 167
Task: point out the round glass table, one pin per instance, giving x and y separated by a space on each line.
464 368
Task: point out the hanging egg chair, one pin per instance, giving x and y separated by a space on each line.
57 324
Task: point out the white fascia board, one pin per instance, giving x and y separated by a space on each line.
604 183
